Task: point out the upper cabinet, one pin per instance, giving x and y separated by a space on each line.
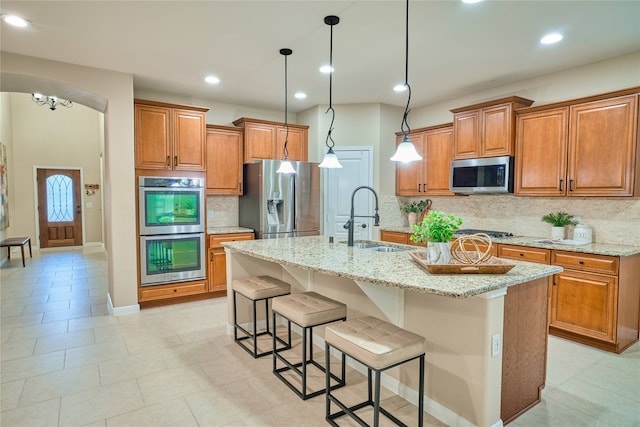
585 147
429 176
224 160
487 129
265 140
169 136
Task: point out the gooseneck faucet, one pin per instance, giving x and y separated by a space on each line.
350 222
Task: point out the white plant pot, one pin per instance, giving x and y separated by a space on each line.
557 232
439 253
412 217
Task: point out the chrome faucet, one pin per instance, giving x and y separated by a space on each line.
350 224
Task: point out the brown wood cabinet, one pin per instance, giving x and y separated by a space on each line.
486 129
595 299
169 136
585 147
224 160
265 140
429 176
217 260
398 237
170 291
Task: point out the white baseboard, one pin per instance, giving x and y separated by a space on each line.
119 311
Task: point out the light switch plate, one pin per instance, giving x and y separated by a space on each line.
495 345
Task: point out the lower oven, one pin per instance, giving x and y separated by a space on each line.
172 258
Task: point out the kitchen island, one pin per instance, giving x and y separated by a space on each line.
486 334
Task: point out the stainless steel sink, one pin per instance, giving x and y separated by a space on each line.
377 246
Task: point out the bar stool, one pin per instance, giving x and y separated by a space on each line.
307 310
255 289
379 346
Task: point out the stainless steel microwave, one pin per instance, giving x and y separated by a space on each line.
490 175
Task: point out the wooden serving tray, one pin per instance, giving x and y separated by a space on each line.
491 266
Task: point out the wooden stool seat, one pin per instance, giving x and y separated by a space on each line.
379 346
17 241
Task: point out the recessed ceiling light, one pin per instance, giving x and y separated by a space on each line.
471 1
16 21
551 38
213 80
326 69
300 95
400 87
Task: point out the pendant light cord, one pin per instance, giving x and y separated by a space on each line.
331 21
405 125
286 52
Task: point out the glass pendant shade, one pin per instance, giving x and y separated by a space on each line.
330 161
406 152
286 167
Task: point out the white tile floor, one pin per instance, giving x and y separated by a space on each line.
66 362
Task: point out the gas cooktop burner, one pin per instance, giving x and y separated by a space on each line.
490 233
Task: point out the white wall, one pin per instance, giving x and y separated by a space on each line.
64 138
7 139
113 91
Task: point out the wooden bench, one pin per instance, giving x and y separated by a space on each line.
16 241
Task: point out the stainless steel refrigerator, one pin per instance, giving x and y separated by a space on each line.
281 205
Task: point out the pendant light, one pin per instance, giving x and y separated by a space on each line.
286 166
406 151
330 160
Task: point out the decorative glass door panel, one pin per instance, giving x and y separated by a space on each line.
59 207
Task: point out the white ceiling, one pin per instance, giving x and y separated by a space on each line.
454 48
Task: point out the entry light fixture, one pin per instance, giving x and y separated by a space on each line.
330 160
16 21
551 38
286 166
406 151
51 101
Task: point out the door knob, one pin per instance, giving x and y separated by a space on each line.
364 225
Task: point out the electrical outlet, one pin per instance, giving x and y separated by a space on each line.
210 214
495 345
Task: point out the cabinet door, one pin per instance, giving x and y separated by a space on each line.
410 179
297 145
152 137
602 147
466 134
497 133
224 162
584 303
437 161
217 270
189 128
541 153
259 141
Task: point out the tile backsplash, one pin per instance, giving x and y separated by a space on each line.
222 211
613 220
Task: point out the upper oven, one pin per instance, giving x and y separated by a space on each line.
169 205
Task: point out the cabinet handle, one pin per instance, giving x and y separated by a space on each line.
561 182
175 161
240 187
424 187
581 262
168 161
570 185
419 187
521 254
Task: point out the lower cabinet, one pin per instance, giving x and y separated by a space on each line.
398 237
174 290
217 260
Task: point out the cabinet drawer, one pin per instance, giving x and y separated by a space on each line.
586 262
395 237
171 291
216 240
525 253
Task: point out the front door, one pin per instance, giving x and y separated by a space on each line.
59 207
339 185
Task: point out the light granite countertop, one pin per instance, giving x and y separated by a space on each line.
394 269
228 230
591 248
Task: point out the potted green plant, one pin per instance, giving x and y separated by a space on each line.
413 209
437 230
559 221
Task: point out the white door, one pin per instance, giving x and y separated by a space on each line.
357 170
